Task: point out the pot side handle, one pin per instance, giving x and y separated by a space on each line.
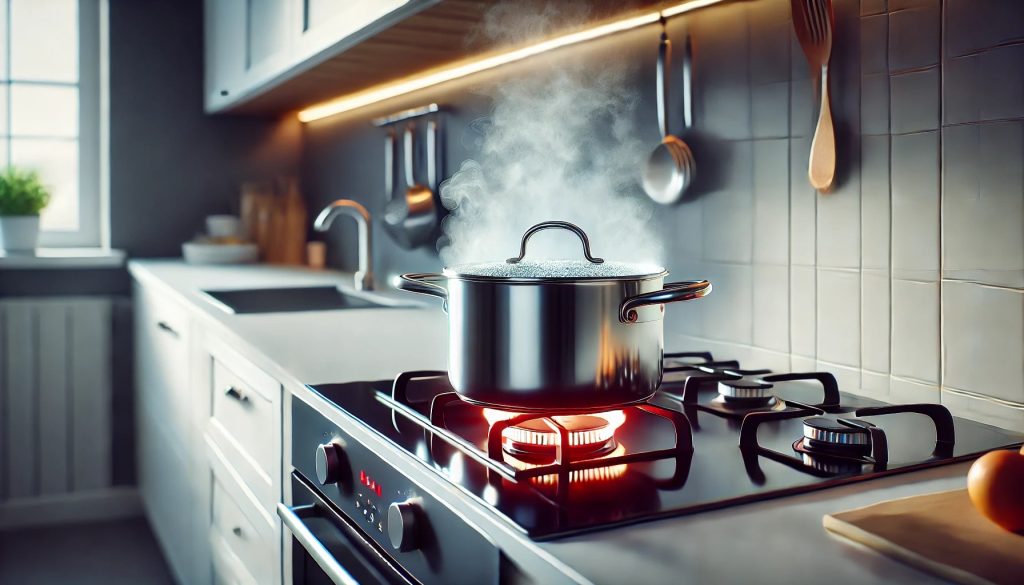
421 282
672 292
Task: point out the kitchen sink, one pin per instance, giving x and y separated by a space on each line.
291 299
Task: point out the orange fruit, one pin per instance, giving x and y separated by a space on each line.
996 486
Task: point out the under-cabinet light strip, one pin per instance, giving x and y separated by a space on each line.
380 93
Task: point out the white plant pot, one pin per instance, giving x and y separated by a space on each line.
19 233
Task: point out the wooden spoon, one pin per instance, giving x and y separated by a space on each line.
813 21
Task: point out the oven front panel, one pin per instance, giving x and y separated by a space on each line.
438 545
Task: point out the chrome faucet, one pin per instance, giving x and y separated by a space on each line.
364 277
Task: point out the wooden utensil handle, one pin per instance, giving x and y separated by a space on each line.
822 164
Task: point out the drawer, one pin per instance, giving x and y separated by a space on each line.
227 567
239 533
245 407
243 536
162 359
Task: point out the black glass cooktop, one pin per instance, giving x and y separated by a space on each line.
655 472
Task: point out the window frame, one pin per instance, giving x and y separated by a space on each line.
93 212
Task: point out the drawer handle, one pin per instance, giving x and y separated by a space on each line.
165 327
237 531
235 393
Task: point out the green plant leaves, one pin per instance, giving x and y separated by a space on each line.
21 192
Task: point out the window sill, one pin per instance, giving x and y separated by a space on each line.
63 258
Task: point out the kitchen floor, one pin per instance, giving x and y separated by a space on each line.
112 553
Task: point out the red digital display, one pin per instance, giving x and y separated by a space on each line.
369 483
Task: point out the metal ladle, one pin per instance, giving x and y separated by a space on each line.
671 167
411 220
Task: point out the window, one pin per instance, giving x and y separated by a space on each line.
50 115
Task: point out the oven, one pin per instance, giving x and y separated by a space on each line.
358 517
326 548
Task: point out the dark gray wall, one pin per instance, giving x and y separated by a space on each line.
920 246
171 164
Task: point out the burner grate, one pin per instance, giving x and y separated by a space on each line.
563 467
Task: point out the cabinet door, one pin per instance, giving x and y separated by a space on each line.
161 363
225 31
163 476
267 39
322 24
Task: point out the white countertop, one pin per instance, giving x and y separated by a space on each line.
310 347
774 541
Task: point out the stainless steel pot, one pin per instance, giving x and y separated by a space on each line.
523 338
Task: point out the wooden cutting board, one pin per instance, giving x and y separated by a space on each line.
941 533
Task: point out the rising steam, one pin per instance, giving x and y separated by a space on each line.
559 144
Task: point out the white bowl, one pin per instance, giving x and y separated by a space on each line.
199 253
223 226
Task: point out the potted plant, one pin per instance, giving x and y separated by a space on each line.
22 197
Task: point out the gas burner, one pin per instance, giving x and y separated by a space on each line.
835 437
741 391
537 440
837 446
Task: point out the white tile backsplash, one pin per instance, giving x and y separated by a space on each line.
915 205
838 230
983 339
875 203
727 310
915 330
979 408
733 205
984 86
907 281
875 385
982 24
803 201
914 99
914 35
771 307
983 203
838 339
771 202
875 320
802 314
907 391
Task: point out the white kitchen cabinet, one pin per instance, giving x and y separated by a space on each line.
225 41
254 45
323 25
247 42
209 447
164 428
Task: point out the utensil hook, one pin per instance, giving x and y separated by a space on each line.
389 165
410 156
687 81
664 57
547 225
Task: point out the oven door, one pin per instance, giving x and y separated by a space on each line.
327 549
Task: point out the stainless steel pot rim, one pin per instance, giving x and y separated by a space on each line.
463 272
559 410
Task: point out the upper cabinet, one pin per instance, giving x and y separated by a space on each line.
254 47
275 56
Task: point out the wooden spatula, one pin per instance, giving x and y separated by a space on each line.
813 21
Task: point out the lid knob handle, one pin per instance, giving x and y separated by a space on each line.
547 225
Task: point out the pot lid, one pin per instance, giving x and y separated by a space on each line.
590 268
555 269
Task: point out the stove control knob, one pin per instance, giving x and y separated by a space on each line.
330 463
402 525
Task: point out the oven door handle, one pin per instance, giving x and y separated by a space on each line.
292 518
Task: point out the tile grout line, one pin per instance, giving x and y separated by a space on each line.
942 211
892 296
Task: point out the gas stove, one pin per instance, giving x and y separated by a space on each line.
714 435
